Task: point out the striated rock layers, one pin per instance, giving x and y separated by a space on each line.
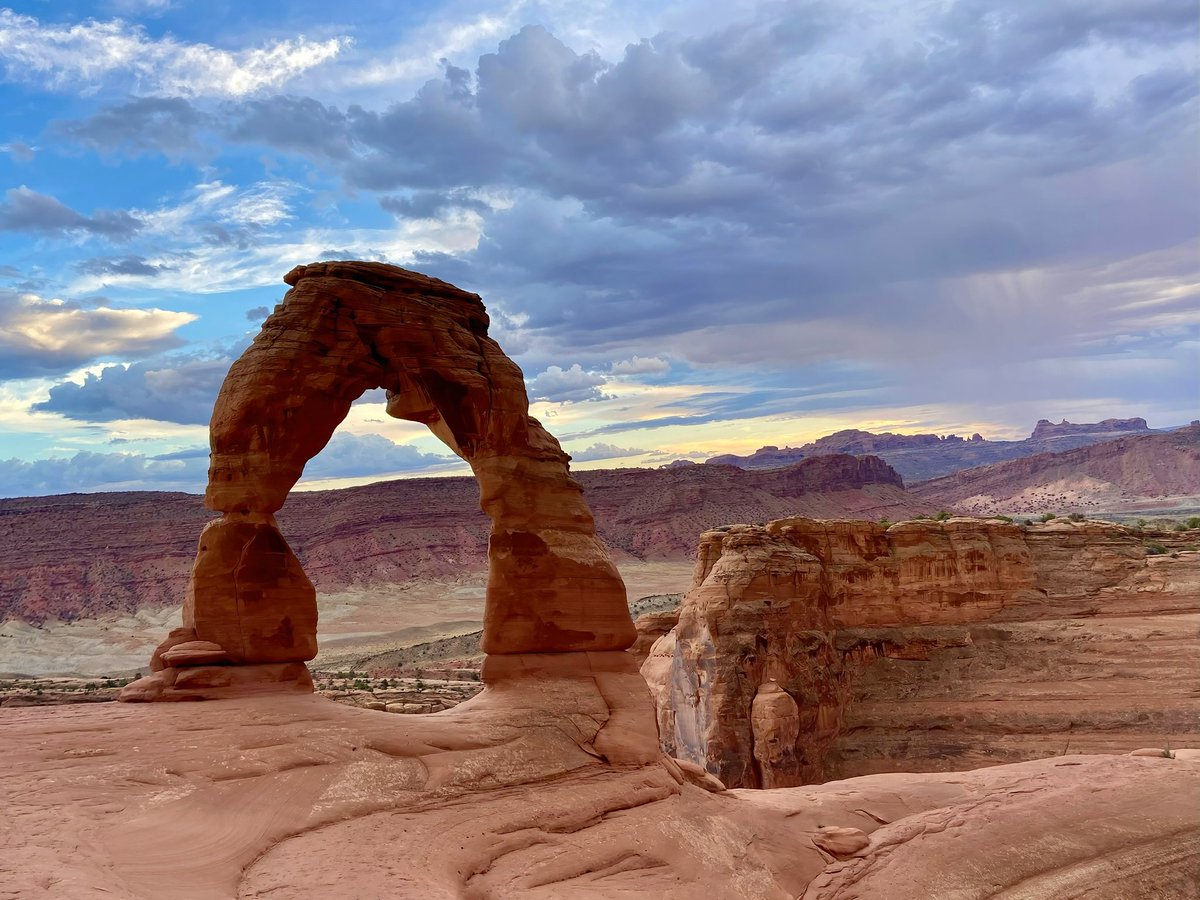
345 328
132 551
1141 471
808 650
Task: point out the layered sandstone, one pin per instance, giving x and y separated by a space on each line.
293 797
1136 472
924 646
134 551
919 457
1047 429
345 328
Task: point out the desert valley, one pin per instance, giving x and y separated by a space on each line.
799 673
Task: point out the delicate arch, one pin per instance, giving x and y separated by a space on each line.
342 329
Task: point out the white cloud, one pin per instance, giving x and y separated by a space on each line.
39 336
91 54
602 450
559 385
641 365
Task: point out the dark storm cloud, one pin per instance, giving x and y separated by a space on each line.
27 210
178 390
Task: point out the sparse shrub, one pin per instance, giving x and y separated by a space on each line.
1076 516
1192 522
1181 527
942 516
1046 517
885 522
1006 519
385 684
1142 523
1155 549
1028 522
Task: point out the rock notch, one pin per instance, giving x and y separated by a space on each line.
342 329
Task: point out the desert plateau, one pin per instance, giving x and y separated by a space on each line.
605 450
832 705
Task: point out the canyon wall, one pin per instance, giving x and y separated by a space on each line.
808 650
84 555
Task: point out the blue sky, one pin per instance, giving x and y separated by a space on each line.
700 227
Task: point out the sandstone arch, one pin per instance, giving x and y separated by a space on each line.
342 329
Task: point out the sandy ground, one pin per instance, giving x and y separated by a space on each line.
353 622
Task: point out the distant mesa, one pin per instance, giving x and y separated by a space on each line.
1135 470
1047 429
919 457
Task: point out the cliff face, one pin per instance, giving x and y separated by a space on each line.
919 457
82 555
1047 429
808 650
1116 474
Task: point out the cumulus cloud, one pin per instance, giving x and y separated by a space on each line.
27 210
89 471
605 451
641 365
86 55
47 337
180 390
354 455
345 456
573 385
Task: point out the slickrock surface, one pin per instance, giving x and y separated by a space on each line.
508 796
925 646
1141 471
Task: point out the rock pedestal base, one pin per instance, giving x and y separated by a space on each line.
219 682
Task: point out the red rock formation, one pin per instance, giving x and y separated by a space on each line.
1133 471
345 328
923 646
1047 429
131 551
299 797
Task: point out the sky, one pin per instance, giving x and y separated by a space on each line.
699 227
